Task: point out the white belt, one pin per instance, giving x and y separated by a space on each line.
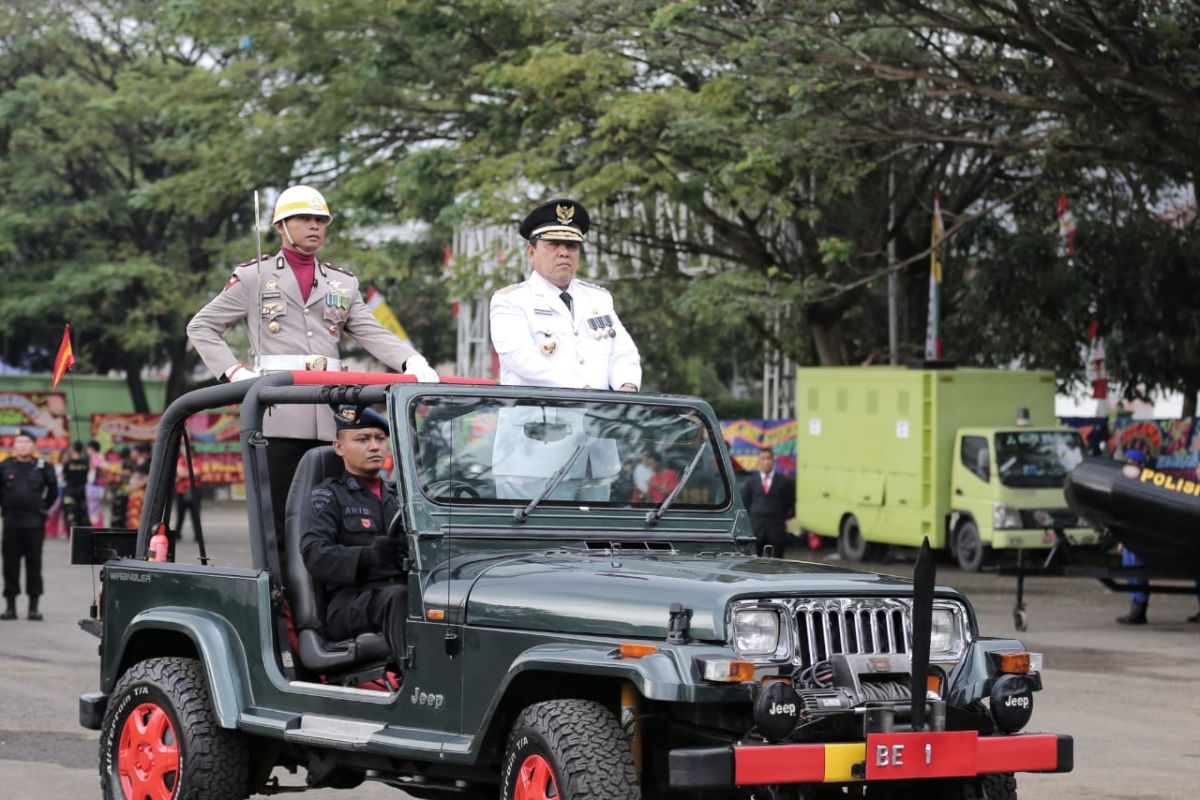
299 363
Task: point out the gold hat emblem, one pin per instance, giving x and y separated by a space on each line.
565 214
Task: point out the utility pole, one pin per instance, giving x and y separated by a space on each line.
893 281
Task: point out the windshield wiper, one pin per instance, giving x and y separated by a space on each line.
522 514
654 515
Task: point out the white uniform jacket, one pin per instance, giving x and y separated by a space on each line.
267 298
541 343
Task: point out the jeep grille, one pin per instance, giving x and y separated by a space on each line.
838 626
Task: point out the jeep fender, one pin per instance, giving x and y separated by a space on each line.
972 679
215 648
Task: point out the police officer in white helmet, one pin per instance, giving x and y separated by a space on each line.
296 311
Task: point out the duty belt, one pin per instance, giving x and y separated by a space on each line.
299 364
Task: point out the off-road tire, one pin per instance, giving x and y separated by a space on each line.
585 748
969 549
172 693
852 546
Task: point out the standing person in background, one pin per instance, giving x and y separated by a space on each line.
118 490
95 487
187 498
770 497
1139 600
27 490
75 471
296 312
56 515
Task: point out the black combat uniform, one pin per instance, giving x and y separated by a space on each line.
346 518
75 476
27 490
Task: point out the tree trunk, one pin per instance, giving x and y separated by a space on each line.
1189 402
829 343
137 389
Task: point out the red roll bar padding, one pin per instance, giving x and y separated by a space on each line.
326 377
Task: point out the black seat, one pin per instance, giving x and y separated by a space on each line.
306 596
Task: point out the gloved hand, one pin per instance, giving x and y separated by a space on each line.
385 551
418 366
241 373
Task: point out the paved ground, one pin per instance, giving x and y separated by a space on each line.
1131 697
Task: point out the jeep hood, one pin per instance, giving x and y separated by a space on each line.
628 595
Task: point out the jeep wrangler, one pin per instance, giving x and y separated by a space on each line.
574 630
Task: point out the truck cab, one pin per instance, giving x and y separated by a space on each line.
1007 490
568 637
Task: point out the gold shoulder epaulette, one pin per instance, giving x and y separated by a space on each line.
510 287
336 268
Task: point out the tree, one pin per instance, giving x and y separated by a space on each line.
126 169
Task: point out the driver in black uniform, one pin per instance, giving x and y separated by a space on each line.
345 543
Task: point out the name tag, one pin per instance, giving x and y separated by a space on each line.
545 312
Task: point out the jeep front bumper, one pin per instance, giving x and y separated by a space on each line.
884 756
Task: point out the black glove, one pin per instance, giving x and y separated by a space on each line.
385 551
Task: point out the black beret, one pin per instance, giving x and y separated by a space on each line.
353 418
28 433
558 221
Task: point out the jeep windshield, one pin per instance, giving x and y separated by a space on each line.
506 451
1037 459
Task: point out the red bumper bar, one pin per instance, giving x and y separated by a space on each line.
894 756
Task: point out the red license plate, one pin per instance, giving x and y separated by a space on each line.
947 754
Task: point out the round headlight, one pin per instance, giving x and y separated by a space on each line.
756 631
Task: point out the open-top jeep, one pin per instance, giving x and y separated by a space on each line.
627 645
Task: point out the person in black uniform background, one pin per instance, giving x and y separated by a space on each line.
771 500
346 545
27 490
75 475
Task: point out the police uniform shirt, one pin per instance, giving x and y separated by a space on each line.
281 322
543 343
27 490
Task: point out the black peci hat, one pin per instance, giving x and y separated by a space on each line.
556 221
353 418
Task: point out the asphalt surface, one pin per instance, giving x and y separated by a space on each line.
1129 696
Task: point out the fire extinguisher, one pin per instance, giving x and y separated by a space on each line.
158 543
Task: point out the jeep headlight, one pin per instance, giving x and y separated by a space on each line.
756 632
946 639
1004 516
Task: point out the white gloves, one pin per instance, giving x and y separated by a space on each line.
240 373
419 367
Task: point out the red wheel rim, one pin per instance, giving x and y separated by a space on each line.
535 780
148 755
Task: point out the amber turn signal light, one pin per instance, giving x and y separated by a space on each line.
633 650
435 614
1015 663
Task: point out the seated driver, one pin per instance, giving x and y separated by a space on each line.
345 542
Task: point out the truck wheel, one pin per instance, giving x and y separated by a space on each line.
970 550
852 546
568 749
160 739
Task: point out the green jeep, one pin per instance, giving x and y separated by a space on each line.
574 631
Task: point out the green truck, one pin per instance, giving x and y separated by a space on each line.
973 459
620 647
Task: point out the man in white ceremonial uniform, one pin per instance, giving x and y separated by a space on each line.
296 311
553 329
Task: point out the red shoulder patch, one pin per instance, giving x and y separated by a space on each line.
233 281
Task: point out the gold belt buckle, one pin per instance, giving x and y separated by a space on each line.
316 363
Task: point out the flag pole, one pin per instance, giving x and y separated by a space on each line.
71 380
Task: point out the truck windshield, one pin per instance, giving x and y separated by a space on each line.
504 451
1037 459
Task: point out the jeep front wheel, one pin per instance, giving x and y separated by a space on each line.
571 750
160 739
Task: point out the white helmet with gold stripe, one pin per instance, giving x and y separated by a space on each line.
296 200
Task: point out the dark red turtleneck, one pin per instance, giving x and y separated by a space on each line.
304 267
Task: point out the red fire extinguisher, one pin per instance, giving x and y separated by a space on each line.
159 544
